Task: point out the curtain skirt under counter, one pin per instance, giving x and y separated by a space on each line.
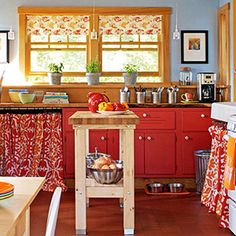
31 145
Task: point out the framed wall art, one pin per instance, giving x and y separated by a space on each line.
4 47
194 46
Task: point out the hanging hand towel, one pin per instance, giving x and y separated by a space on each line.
229 175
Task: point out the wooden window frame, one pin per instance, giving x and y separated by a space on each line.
93 47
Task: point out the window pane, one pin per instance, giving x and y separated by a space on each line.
73 60
110 46
115 60
112 79
39 46
148 38
111 38
39 38
129 46
58 46
77 38
129 38
58 38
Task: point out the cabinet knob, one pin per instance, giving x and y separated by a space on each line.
203 115
144 115
149 138
186 138
103 138
140 137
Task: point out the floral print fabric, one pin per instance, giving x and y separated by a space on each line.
31 145
130 25
57 25
214 194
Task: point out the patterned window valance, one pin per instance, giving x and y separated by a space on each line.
130 25
58 25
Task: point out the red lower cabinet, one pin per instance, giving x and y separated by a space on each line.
165 141
192 141
155 153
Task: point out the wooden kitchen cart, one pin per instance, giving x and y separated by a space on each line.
82 122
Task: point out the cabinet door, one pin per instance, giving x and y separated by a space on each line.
69 154
98 138
139 142
160 153
192 141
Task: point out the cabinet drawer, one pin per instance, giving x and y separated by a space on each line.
156 119
199 120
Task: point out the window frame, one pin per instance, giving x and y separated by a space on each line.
94 46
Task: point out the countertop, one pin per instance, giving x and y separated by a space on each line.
84 105
223 110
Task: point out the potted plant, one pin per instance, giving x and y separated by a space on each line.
130 74
55 73
92 72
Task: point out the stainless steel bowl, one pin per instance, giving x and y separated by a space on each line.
155 187
108 176
176 187
91 157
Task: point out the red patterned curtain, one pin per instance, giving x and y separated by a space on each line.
214 194
31 145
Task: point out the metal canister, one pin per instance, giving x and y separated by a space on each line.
157 95
172 95
140 97
124 96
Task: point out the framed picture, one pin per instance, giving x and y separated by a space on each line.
4 47
194 46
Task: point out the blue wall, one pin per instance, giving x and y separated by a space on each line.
193 15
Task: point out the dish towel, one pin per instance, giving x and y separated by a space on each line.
229 176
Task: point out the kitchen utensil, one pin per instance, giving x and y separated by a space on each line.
94 99
176 187
157 95
108 176
172 94
124 95
155 187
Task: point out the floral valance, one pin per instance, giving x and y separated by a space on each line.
58 25
130 25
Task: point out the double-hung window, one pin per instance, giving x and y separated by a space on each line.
131 39
124 36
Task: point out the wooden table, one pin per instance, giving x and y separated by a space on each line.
87 188
14 211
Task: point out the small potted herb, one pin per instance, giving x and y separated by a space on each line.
55 73
130 74
92 72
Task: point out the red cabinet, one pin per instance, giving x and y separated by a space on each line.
192 141
107 141
155 143
165 141
194 136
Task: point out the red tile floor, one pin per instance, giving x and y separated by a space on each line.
164 216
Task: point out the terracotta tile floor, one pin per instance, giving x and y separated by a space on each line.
167 216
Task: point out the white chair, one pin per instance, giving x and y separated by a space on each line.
53 212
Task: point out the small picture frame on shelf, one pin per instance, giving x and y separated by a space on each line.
194 46
4 47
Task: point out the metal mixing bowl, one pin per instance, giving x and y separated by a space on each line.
108 176
155 187
176 187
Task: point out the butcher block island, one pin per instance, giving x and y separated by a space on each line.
85 187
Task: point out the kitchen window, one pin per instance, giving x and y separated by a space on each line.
141 36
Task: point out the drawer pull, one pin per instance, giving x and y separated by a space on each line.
103 138
203 115
140 137
144 115
149 138
186 138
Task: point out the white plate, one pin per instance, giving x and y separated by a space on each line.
111 113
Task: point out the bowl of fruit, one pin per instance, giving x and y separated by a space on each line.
106 171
